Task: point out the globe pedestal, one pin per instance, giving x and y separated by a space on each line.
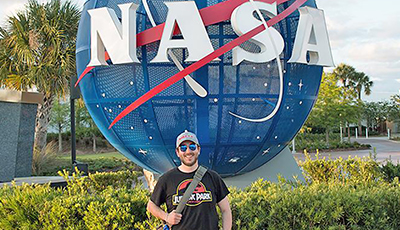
283 164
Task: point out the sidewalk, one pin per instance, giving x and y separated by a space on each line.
385 149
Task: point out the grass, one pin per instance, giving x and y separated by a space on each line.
94 156
101 162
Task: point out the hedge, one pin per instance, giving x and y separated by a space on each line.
312 142
354 197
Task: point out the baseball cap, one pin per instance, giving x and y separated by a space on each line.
186 136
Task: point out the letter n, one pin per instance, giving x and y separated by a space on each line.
108 33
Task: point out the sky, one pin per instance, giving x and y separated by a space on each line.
363 33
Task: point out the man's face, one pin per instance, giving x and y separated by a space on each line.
188 157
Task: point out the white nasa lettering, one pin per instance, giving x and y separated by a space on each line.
108 33
187 17
312 37
119 38
243 21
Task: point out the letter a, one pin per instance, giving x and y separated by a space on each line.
195 38
119 38
312 37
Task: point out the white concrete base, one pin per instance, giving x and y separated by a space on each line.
283 164
35 180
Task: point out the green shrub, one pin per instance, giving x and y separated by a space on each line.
340 170
99 201
339 194
367 205
101 164
20 206
390 171
312 142
99 181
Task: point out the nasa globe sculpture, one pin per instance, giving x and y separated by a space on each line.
150 69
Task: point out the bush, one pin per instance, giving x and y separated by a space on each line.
338 194
340 170
390 171
42 157
99 201
102 164
367 205
312 142
395 138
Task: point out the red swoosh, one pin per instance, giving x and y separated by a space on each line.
210 15
195 66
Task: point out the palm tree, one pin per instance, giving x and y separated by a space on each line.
354 81
37 50
344 74
361 81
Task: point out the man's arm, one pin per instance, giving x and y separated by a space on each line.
226 213
171 218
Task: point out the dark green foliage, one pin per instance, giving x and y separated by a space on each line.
390 170
313 141
102 164
368 205
321 170
100 201
338 194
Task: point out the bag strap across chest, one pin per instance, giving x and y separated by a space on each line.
196 180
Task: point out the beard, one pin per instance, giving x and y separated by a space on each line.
189 162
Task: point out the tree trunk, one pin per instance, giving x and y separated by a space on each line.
327 137
348 132
42 121
59 138
359 128
94 143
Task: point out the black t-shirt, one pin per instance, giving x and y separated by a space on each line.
200 211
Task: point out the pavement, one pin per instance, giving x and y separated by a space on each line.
55 181
385 149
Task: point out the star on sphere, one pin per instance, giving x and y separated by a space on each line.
300 84
266 151
144 152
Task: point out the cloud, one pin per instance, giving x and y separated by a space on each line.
378 51
375 79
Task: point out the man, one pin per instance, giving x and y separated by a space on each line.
200 211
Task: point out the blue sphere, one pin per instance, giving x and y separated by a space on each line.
229 145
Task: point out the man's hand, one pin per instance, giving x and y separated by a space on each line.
173 218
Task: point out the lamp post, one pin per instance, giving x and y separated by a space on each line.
341 128
75 94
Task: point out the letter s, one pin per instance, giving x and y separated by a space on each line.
243 21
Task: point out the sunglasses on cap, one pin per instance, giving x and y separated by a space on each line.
192 147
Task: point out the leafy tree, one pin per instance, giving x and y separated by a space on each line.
60 114
37 50
335 106
324 113
377 113
393 109
85 125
